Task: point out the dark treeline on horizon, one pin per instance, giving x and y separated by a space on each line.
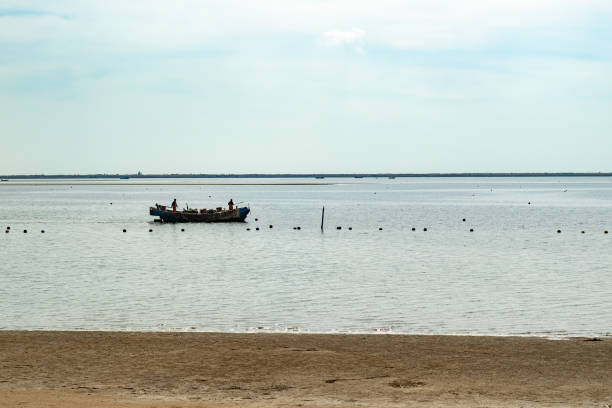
309 175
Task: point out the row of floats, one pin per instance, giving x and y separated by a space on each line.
298 228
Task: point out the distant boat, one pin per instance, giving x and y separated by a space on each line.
3 179
124 178
391 177
194 215
358 176
319 177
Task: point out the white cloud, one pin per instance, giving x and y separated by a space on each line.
339 37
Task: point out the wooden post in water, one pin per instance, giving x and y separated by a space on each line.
322 218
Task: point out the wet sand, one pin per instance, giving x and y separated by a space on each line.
103 369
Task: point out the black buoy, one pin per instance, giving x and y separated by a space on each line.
558 231
6 231
350 228
529 203
124 230
338 228
380 228
271 226
256 219
25 231
111 203
294 228
299 228
424 229
182 229
606 231
464 220
42 231
414 229
150 230
248 229
582 232
471 229
257 229
8 228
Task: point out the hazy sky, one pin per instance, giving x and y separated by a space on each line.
305 86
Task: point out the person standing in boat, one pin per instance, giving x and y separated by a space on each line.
231 204
174 205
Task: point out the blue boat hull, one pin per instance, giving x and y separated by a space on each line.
235 215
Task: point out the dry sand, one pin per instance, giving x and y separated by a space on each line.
101 369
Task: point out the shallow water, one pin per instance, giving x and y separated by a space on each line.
514 275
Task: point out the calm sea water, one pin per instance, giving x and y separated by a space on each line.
514 275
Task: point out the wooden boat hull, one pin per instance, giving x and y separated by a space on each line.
235 215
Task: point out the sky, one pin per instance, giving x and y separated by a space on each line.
305 86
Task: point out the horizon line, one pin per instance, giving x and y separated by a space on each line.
302 175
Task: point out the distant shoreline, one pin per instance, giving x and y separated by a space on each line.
294 175
118 183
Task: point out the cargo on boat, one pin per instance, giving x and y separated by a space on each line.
203 215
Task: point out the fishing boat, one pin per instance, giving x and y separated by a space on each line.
3 179
218 214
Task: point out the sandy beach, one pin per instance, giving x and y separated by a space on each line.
109 369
